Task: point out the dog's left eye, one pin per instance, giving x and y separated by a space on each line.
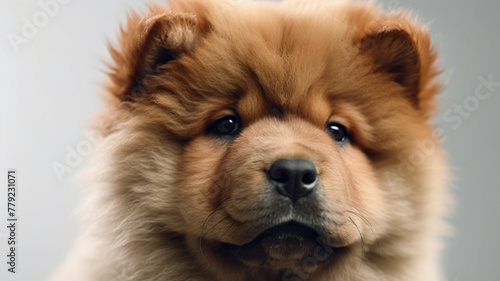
228 125
338 131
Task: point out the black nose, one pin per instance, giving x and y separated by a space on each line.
293 178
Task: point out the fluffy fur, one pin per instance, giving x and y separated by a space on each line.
169 199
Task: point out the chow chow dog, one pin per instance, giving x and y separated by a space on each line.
266 141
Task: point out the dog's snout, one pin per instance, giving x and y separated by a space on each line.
293 178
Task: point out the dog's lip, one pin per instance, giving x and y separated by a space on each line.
281 246
252 232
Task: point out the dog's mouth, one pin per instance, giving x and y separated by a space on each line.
282 246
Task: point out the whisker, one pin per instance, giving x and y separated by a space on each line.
365 220
203 233
360 236
362 245
219 206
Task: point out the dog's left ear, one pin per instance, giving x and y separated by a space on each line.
146 44
403 52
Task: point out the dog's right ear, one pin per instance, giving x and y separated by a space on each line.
147 43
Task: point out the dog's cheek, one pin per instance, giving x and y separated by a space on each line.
202 182
247 187
365 195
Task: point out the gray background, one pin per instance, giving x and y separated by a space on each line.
48 90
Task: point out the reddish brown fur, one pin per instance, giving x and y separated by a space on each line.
165 193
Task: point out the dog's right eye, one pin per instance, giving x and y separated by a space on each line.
338 132
228 125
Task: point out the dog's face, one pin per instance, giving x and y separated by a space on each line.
273 138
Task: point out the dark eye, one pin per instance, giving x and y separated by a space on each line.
338 131
228 125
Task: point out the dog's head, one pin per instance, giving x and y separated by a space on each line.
273 137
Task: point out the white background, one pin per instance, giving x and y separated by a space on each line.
49 86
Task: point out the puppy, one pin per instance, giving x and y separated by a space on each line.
266 141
